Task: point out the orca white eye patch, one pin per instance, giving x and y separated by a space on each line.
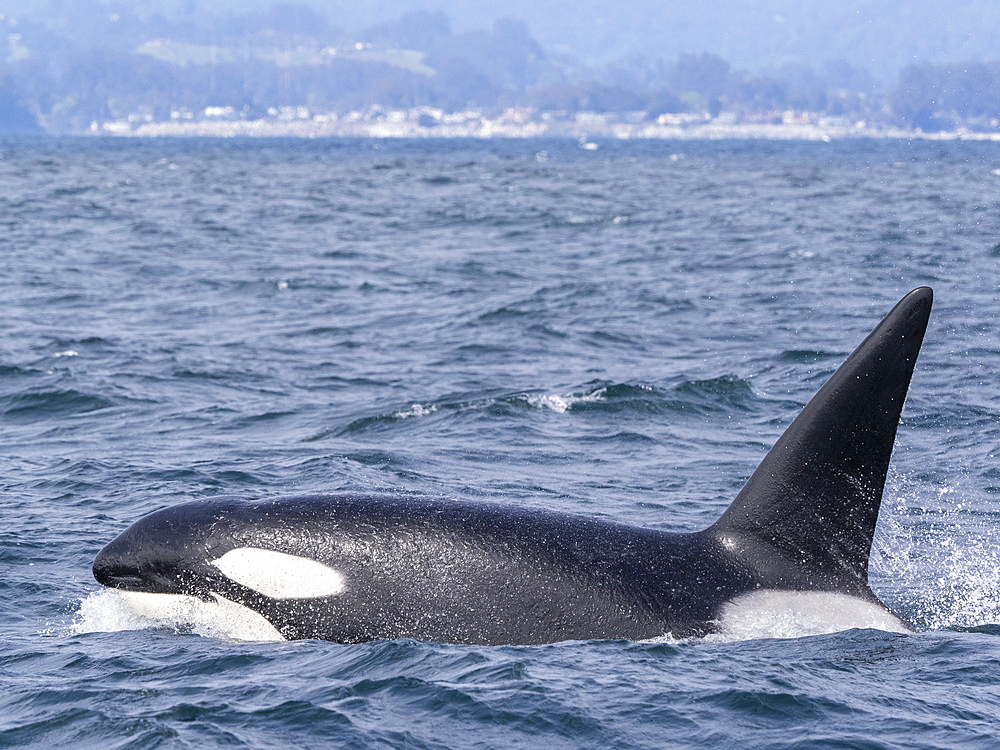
279 575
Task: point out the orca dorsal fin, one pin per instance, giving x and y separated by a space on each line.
806 517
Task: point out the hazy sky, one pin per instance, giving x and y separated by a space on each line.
881 36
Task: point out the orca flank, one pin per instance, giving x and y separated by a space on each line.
356 568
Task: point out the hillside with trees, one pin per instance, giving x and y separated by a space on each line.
85 67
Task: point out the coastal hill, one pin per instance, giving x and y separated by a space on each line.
879 37
71 67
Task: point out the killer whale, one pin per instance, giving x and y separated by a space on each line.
359 568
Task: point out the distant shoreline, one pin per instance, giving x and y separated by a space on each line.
581 127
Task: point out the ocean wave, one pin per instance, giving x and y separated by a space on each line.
726 393
386 419
807 355
13 371
562 404
63 402
715 394
416 410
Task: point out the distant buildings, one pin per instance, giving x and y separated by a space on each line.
513 122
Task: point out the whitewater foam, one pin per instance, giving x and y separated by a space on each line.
940 551
562 404
416 410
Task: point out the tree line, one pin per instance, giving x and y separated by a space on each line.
292 57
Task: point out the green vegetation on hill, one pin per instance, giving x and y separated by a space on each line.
148 67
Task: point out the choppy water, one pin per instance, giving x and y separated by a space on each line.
620 333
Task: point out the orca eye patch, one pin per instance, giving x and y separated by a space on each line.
279 575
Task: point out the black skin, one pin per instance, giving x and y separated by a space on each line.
440 570
486 573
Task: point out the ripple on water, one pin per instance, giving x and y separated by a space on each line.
287 316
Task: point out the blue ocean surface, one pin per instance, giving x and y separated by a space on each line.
620 333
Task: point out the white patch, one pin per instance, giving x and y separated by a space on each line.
794 614
113 610
279 575
562 404
417 410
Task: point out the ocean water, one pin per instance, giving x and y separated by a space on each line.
620 333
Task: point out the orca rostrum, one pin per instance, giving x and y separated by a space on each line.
358 568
